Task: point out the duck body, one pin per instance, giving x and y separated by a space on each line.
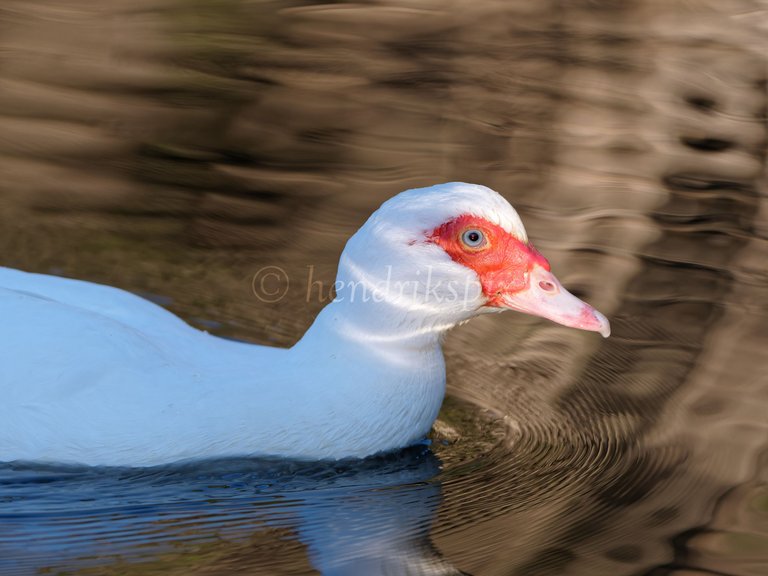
95 375
109 378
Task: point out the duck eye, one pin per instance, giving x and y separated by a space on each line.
473 238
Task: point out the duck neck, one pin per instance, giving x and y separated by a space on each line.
381 327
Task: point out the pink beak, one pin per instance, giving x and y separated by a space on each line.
546 297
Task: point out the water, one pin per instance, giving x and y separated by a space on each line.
176 148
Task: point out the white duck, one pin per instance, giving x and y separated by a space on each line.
95 375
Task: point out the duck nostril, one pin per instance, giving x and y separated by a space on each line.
547 286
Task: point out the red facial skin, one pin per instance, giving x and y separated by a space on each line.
502 262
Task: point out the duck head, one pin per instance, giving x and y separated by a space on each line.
430 258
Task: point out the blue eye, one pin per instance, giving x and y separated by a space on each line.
473 238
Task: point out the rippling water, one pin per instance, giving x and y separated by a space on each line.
174 148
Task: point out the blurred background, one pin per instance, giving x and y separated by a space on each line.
175 147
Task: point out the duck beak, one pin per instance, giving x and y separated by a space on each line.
544 296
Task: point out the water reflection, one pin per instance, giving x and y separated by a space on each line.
174 148
370 517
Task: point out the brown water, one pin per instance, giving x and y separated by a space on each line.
174 148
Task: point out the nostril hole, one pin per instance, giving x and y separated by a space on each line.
547 286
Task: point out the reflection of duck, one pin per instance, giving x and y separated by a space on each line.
93 374
370 516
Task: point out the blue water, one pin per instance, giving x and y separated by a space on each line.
55 518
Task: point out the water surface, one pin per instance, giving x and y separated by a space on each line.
175 149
